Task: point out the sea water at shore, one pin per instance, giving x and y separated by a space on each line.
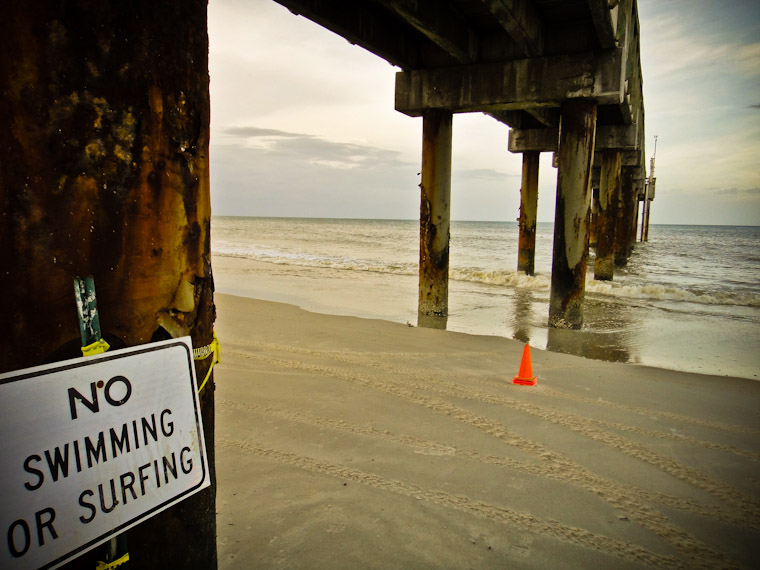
689 298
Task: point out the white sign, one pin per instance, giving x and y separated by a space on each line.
92 446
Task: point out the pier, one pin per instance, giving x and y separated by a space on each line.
563 76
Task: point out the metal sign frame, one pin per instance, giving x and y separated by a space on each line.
93 446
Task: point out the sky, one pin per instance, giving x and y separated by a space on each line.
303 123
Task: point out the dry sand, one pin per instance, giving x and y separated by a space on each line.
356 443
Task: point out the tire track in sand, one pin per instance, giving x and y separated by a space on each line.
522 521
588 427
378 359
622 497
429 447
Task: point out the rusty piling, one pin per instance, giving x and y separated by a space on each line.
526 248
609 190
625 233
435 215
105 173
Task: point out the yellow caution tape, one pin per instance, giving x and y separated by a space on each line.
204 352
108 565
97 347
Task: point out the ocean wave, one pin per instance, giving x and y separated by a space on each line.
514 279
664 293
301 259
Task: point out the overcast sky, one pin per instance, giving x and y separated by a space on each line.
303 124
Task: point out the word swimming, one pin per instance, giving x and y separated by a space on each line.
90 451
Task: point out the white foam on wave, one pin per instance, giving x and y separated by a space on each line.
301 259
665 293
514 279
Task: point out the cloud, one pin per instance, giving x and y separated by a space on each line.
748 57
747 192
486 174
259 132
315 150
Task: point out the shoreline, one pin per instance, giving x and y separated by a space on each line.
345 442
393 298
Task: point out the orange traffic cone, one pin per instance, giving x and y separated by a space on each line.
525 376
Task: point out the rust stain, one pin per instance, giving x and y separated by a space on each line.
105 172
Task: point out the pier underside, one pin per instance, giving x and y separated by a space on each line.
530 64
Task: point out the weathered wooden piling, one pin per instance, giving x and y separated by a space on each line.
594 220
435 214
571 222
609 190
104 172
526 248
625 233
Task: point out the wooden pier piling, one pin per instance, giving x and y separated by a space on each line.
526 249
571 222
435 214
625 235
104 172
609 190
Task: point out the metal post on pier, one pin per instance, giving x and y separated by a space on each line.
648 196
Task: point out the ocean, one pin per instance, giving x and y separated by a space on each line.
689 298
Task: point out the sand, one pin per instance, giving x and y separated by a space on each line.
357 443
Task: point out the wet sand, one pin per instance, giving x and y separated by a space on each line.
358 443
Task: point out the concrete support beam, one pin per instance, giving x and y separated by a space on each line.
634 158
522 22
609 192
526 248
622 137
435 215
440 24
363 24
605 22
512 85
571 222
